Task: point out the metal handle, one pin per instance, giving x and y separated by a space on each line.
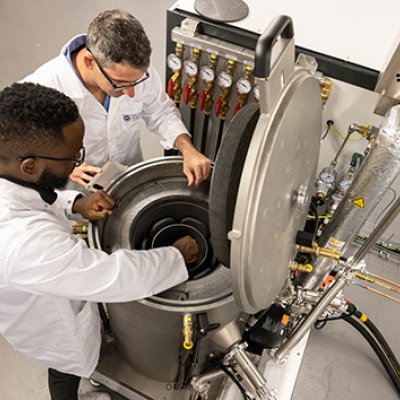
280 26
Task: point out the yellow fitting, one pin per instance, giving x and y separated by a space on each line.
326 88
208 102
79 229
243 99
196 53
321 251
363 318
179 48
177 80
301 267
193 94
364 130
187 331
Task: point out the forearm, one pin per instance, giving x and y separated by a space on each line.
183 143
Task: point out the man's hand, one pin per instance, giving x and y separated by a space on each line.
84 173
96 206
196 166
188 248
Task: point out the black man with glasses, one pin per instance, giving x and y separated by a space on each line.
50 280
108 74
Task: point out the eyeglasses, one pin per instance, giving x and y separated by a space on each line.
119 88
76 160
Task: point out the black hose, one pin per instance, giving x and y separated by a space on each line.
385 346
219 137
235 381
104 318
378 336
192 127
314 210
377 349
204 133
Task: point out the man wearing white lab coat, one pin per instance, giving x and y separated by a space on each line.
108 74
49 278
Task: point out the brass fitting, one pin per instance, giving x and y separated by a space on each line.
326 88
226 92
321 251
187 331
225 102
208 102
301 267
179 49
177 80
192 80
209 86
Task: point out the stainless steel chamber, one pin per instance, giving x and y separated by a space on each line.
153 200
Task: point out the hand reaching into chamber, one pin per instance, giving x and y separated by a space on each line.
188 248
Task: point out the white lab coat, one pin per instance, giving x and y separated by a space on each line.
114 134
50 279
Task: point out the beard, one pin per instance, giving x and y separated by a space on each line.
50 180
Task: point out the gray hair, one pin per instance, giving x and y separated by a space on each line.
116 36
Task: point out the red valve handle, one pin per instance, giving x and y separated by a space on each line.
186 94
218 106
171 87
202 100
237 108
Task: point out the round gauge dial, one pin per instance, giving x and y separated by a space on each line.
174 62
328 175
224 79
190 67
243 86
344 185
207 74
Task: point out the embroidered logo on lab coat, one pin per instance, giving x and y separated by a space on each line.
128 118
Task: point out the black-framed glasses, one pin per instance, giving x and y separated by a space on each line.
119 88
76 160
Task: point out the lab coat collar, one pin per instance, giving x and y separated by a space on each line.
74 44
47 194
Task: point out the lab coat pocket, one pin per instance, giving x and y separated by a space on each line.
87 338
87 324
129 115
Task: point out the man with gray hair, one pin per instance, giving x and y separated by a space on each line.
109 76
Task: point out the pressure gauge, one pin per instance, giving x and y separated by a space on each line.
328 174
225 79
344 185
243 86
207 74
190 67
174 62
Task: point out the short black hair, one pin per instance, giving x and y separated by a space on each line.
115 36
32 114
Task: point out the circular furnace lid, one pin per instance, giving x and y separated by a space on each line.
222 10
262 182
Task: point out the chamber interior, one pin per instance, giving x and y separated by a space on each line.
155 207
166 220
